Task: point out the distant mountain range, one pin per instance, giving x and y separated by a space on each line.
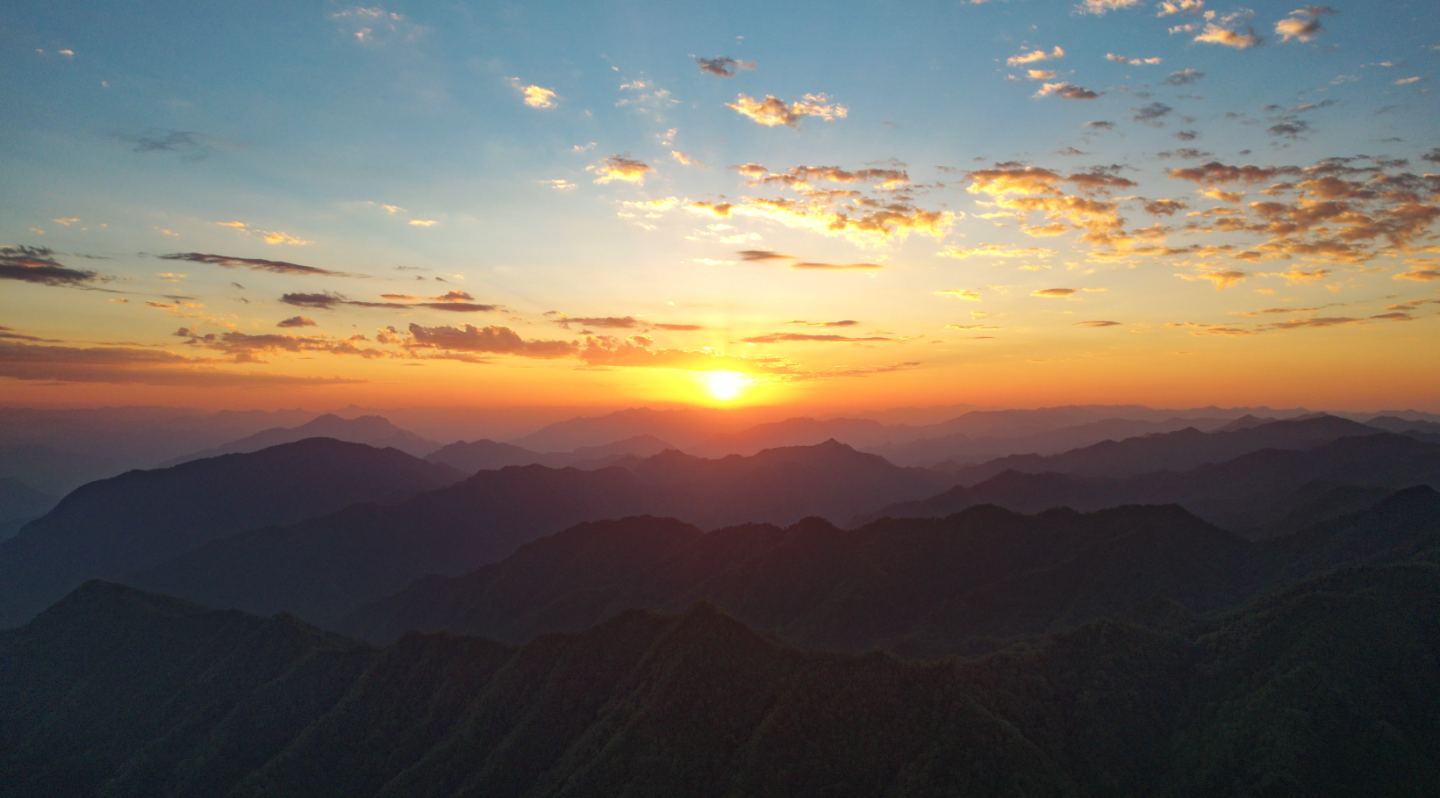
20 503
370 430
325 567
1256 492
112 527
488 455
965 584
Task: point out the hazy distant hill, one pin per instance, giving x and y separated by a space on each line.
1245 493
486 454
684 427
109 528
956 449
1175 451
923 587
1325 689
18 500
370 430
324 567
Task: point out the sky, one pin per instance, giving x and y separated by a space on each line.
1018 203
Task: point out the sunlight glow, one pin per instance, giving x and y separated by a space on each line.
723 385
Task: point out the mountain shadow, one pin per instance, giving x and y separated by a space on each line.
1325 689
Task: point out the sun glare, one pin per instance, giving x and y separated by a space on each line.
723 385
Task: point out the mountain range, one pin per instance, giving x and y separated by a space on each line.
112 527
965 584
324 567
1327 688
370 430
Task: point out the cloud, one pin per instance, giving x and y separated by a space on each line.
423 222
1152 114
186 144
994 251
835 266
1291 129
1058 293
603 322
1097 324
1215 34
1034 56
1184 77
678 327
1164 207
1215 173
1104 6
1100 125
778 338
1040 74
1407 81
254 264
960 293
559 184
297 321
620 167
1302 24
772 111
722 67
1221 279
323 301
841 323
762 255
269 236
1420 275
129 365
535 96
374 26
487 340
1120 59
684 159
1170 8
38 265
1068 91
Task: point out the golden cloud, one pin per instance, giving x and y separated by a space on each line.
772 111
620 167
1034 56
535 96
960 293
1056 293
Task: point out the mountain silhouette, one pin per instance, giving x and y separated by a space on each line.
1175 451
322 568
20 501
1246 493
488 455
1326 689
109 528
963 584
373 431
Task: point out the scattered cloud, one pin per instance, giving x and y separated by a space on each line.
779 338
254 264
269 236
1221 279
1097 324
1104 6
1068 91
535 96
1184 77
376 26
722 67
772 111
685 159
38 265
620 167
1303 24
189 145
1216 34
123 365
960 293
841 323
1120 59
1034 56
1169 8
297 321
1407 81
1057 293
1152 114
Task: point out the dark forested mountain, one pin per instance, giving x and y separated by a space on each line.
1255 492
370 430
327 566
1174 451
919 587
487 454
110 528
1326 689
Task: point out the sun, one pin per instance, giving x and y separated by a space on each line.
723 385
